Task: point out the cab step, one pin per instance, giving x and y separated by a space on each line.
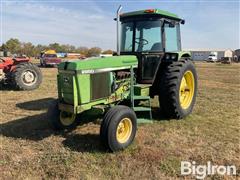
141 89
141 97
144 121
141 108
140 92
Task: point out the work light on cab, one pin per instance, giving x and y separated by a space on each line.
150 11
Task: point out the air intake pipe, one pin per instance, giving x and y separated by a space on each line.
118 30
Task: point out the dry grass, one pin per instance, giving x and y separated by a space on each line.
30 149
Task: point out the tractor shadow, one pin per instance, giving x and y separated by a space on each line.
7 87
157 115
36 105
38 127
47 66
31 128
84 143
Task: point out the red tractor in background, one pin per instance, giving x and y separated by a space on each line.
20 73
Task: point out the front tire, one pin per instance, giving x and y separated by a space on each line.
178 89
118 128
61 120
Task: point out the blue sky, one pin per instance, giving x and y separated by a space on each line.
209 24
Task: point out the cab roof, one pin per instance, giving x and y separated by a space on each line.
153 12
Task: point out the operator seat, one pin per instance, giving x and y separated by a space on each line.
156 47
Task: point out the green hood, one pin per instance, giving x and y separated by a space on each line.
99 63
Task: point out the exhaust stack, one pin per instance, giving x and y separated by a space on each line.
118 31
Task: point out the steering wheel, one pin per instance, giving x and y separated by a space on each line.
141 40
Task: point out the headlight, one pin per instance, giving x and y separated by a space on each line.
173 56
167 56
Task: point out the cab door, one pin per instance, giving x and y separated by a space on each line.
149 47
148 65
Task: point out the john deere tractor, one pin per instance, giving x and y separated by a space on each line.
149 63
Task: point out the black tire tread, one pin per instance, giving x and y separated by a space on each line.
17 73
108 123
53 115
169 82
106 120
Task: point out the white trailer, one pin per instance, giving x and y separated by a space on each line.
213 57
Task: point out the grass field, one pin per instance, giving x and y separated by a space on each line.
31 150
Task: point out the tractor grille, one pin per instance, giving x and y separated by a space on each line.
100 85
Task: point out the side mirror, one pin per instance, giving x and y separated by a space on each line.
171 25
182 21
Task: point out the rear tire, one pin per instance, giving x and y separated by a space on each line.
118 128
178 89
26 76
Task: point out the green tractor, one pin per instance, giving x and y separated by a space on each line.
149 62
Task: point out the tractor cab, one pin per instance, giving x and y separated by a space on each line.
152 35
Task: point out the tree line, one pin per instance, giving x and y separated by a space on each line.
15 46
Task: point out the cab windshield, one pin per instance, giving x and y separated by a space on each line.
148 36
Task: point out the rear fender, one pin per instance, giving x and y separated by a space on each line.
184 54
21 59
6 65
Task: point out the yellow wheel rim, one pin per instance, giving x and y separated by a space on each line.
186 91
124 130
67 118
